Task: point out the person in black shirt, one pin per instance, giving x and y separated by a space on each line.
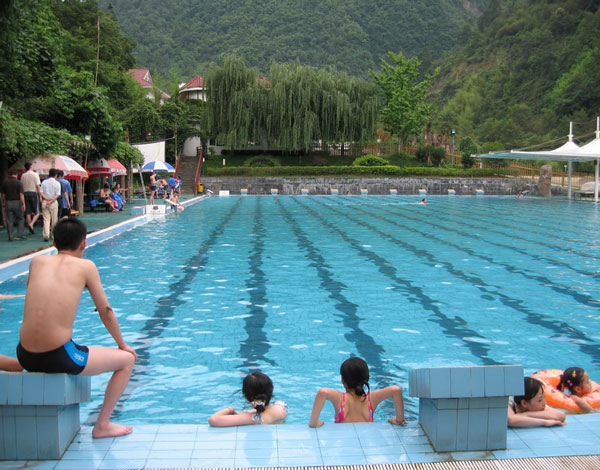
13 203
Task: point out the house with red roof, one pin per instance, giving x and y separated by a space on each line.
144 78
195 89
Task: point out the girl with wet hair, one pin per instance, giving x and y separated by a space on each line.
530 409
578 383
358 403
258 391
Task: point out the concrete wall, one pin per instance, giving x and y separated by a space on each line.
352 186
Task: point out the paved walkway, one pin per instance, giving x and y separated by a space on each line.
93 220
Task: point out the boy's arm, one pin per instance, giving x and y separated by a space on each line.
229 417
395 393
323 395
104 310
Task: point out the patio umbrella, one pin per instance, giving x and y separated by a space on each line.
158 167
104 167
43 163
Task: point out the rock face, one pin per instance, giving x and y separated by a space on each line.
545 181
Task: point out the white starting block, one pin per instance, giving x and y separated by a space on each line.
223 193
156 209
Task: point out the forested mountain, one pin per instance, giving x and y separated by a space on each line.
182 37
519 78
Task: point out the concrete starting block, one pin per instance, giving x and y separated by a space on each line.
304 191
422 192
274 191
364 192
464 408
156 209
39 413
393 192
451 192
224 193
479 192
244 191
334 191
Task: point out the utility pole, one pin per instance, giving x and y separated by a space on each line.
453 134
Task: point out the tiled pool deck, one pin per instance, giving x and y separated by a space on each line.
292 445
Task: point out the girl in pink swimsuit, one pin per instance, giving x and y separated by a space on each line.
356 405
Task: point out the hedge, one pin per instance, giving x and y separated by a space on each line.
291 171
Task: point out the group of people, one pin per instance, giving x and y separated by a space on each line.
170 189
114 199
24 200
46 345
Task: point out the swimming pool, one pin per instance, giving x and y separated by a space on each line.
293 285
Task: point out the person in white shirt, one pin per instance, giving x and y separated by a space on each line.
50 192
31 191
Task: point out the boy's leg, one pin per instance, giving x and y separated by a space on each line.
101 360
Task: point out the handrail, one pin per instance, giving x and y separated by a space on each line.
177 164
198 171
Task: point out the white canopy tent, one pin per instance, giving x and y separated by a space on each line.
569 152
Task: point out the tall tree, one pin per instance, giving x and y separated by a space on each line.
405 111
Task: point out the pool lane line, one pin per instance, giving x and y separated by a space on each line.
365 345
555 247
586 300
254 349
558 327
454 327
163 312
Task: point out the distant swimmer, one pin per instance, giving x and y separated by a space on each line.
423 201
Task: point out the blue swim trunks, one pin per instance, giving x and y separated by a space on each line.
70 358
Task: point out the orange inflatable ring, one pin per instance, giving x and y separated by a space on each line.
557 399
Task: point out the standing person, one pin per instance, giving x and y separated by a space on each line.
356 405
45 339
66 195
152 187
50 192
13 203
31 191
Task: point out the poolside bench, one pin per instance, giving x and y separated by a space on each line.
39 413
465 408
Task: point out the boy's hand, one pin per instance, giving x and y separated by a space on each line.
129 349
397 422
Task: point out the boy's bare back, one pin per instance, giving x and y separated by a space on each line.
54 289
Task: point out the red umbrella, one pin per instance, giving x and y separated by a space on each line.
103 167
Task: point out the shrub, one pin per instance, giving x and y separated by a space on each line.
430 153
370 160
358 171
402 159
262 161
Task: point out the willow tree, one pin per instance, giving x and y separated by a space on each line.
295 107
229 108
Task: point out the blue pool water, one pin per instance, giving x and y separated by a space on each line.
293 286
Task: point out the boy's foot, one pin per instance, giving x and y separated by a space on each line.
31 229
111 430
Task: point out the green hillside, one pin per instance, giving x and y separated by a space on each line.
181 37
523 74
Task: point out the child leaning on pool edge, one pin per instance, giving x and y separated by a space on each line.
356 405
530 409
578 383
258 390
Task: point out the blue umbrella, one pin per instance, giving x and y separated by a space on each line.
158 167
